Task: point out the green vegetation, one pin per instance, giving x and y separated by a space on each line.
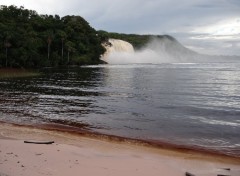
30 40
16 73
138 41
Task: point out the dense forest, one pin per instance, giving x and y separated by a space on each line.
30 40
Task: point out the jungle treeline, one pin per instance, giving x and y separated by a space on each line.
30 40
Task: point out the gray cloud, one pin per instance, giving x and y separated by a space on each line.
177 18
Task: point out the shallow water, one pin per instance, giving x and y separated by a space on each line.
197 105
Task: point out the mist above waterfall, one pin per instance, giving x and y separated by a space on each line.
163 49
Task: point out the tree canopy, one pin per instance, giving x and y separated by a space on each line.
30 40
138 41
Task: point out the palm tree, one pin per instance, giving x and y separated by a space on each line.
63 36
7 45
49 41
70 48
49 35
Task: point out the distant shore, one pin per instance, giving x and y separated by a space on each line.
72 154
15 73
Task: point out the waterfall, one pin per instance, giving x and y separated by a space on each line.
163 49
115 48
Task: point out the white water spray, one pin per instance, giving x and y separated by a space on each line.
116 49
159 50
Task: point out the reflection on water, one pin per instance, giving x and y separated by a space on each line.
57 96
193 104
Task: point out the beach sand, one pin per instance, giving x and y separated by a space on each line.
72 154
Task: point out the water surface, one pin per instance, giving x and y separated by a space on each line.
197 105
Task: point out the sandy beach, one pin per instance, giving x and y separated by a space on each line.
78 155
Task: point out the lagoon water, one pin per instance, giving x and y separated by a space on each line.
195 105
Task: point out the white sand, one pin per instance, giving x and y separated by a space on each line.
72 155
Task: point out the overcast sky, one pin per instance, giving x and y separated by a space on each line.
206 26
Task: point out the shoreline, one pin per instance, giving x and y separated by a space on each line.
82 132
72 154
8 73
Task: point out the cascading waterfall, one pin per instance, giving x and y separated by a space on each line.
115 49
164 49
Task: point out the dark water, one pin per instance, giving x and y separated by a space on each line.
197 105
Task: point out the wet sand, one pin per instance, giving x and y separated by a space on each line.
73 154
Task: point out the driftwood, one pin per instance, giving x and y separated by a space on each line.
189 174
228 169
39 142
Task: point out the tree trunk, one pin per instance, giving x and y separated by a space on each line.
48 50
68 57
6 56
62 49
49 41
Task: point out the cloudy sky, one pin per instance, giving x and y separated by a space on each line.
206 26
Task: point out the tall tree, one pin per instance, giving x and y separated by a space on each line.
49 41
62 36
70 48
7 45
